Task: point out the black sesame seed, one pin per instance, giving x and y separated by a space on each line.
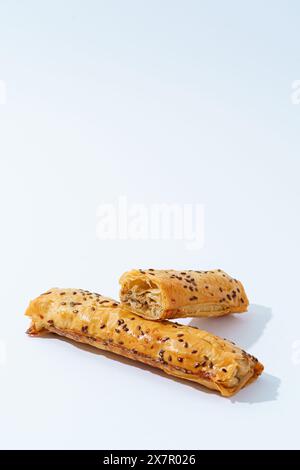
194 351
179 359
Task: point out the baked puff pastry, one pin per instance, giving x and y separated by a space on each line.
178 350
159 294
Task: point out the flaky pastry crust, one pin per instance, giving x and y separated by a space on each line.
182 351
166 294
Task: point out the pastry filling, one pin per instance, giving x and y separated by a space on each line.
144 297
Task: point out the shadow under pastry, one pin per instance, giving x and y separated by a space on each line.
244 329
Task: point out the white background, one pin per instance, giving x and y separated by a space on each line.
162 102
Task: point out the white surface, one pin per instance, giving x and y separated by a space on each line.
160 102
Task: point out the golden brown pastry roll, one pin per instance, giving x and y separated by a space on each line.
158 294
181 351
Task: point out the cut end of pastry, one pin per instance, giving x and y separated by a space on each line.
142 296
